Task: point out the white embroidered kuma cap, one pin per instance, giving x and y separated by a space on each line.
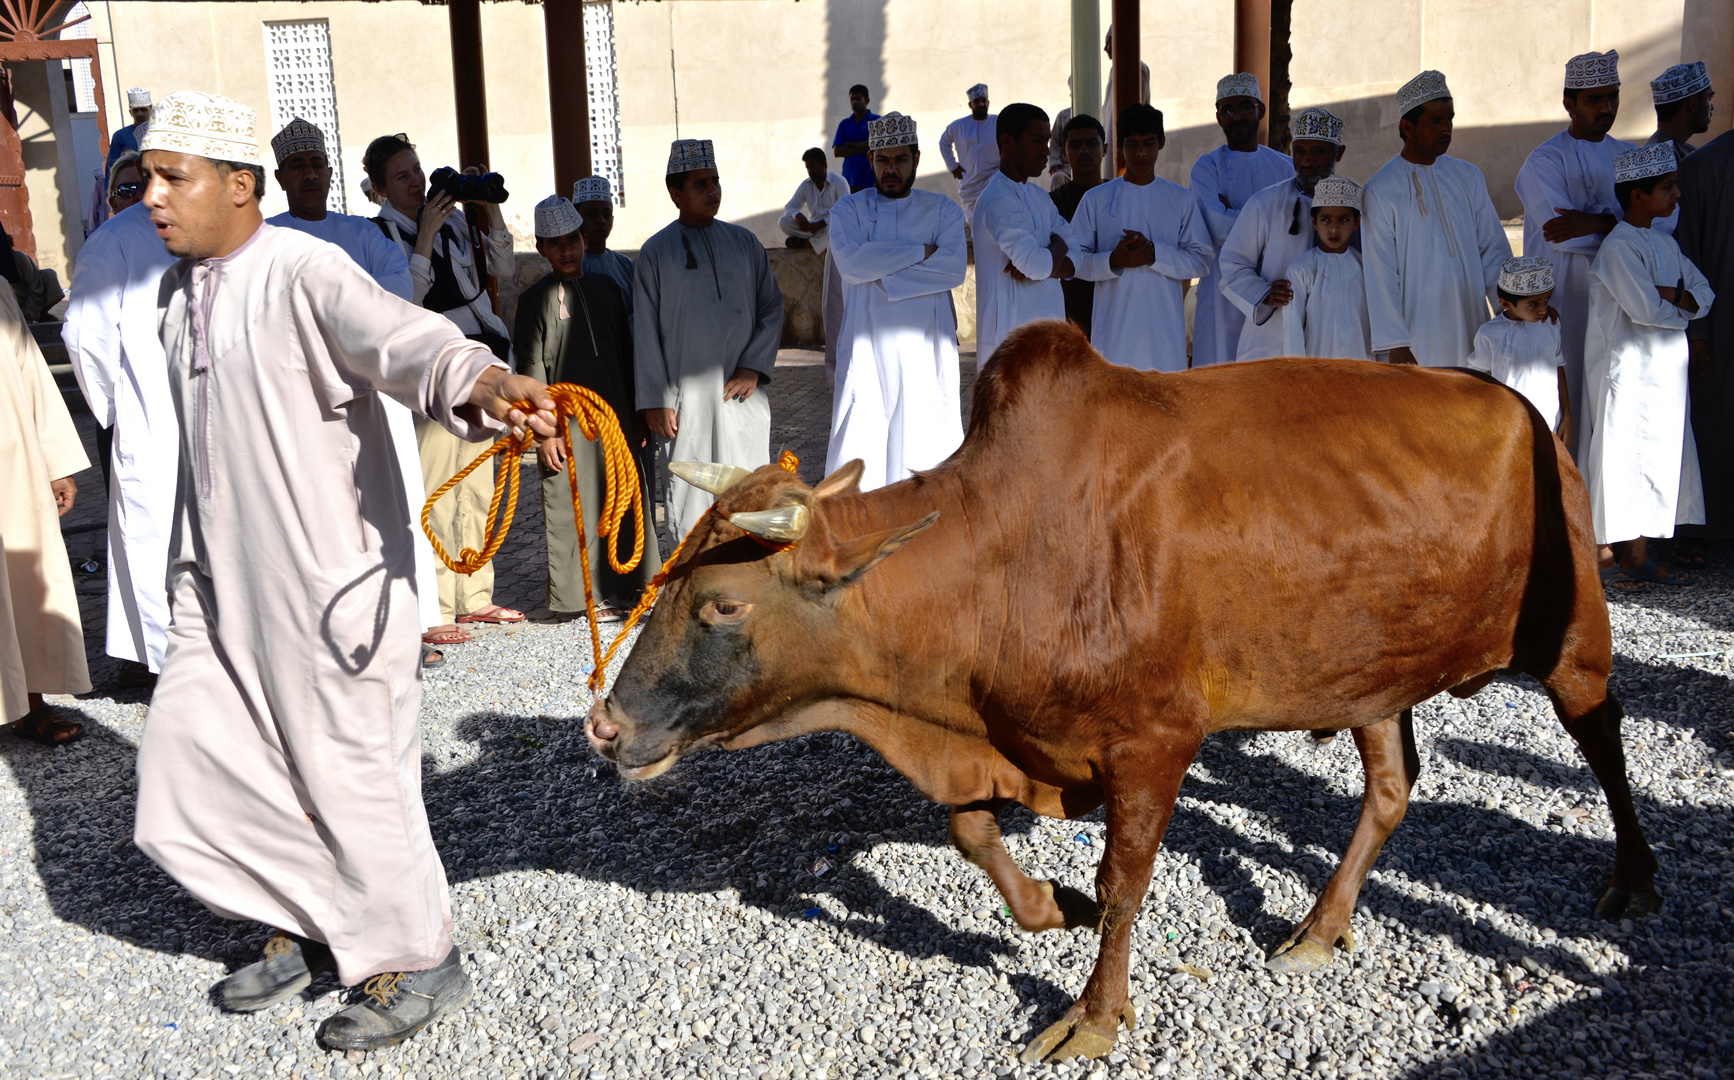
189 122
1680 82
138 98
1240 84
976 92
892 129
1591 69
1530 275
1337 191
691 155
592 189
1425 87
1646 161
555 217
297 137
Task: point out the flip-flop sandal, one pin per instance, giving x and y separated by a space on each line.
1652 571
492 614
1619 581
446 637
431 658
42 726
1689 559
609 614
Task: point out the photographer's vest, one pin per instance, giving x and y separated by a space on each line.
445 291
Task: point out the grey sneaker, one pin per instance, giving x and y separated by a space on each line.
391 1007
289 966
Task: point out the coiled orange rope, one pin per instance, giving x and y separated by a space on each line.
622 491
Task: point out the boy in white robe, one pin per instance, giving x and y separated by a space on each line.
1275 228
304 173
280 768
111 339
707 317
593 196
1431 243
1642 464
1223 180
970 147
900 252
1567 188
806 216
1521 345
1328 314
1140 239
1022 244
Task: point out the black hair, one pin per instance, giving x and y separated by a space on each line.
814 154
1081 122
224 168
1623 190
860 88
380 151
1016 118
1665 113
1139 119
1512 298
1414 115
676 181
1571 94
1315 210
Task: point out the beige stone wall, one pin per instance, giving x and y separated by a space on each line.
768 78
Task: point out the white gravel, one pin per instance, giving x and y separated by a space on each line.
669 929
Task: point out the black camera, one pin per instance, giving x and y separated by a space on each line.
487 188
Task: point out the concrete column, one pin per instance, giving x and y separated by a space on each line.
468 84
1086 58
1128 84
568 92
1252 49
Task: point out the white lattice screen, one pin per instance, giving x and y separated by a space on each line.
298 63
83 86
604 115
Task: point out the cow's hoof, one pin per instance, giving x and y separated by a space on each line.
1621 903
1301 954
1069 1038
1078 909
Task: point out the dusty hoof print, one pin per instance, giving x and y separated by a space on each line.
1619 903
1301 954
1068 1038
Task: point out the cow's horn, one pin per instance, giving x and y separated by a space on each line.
786 523
707 476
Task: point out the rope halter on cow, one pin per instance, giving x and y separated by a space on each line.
780 528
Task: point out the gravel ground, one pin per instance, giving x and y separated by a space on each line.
686 927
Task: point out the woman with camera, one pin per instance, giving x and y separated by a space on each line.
450 277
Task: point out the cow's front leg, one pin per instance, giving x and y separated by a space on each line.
1036 905
1140 800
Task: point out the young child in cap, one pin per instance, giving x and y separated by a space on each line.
1642 465
572 328
1328 315
1520 345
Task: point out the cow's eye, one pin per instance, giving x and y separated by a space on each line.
724 611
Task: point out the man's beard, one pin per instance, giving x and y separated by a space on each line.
904 194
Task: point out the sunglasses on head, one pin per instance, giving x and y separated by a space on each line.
128 191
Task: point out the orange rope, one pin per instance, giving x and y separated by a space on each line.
622 491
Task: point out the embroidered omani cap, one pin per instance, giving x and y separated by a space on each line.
1319 124
1593 69
138 98
592 189
1530 275
297 137
1240 84
556 216
1645 162
1337 191
691 155
190 122
1680 82
979 90
1425 87
892 129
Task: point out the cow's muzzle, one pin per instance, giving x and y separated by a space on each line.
611 736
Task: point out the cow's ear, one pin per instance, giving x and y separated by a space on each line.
845 481
856 557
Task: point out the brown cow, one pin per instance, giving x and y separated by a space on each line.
1116 564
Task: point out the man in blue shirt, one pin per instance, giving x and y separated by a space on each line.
138 103
851 141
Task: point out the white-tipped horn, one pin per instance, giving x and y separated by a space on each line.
708 476
785 523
